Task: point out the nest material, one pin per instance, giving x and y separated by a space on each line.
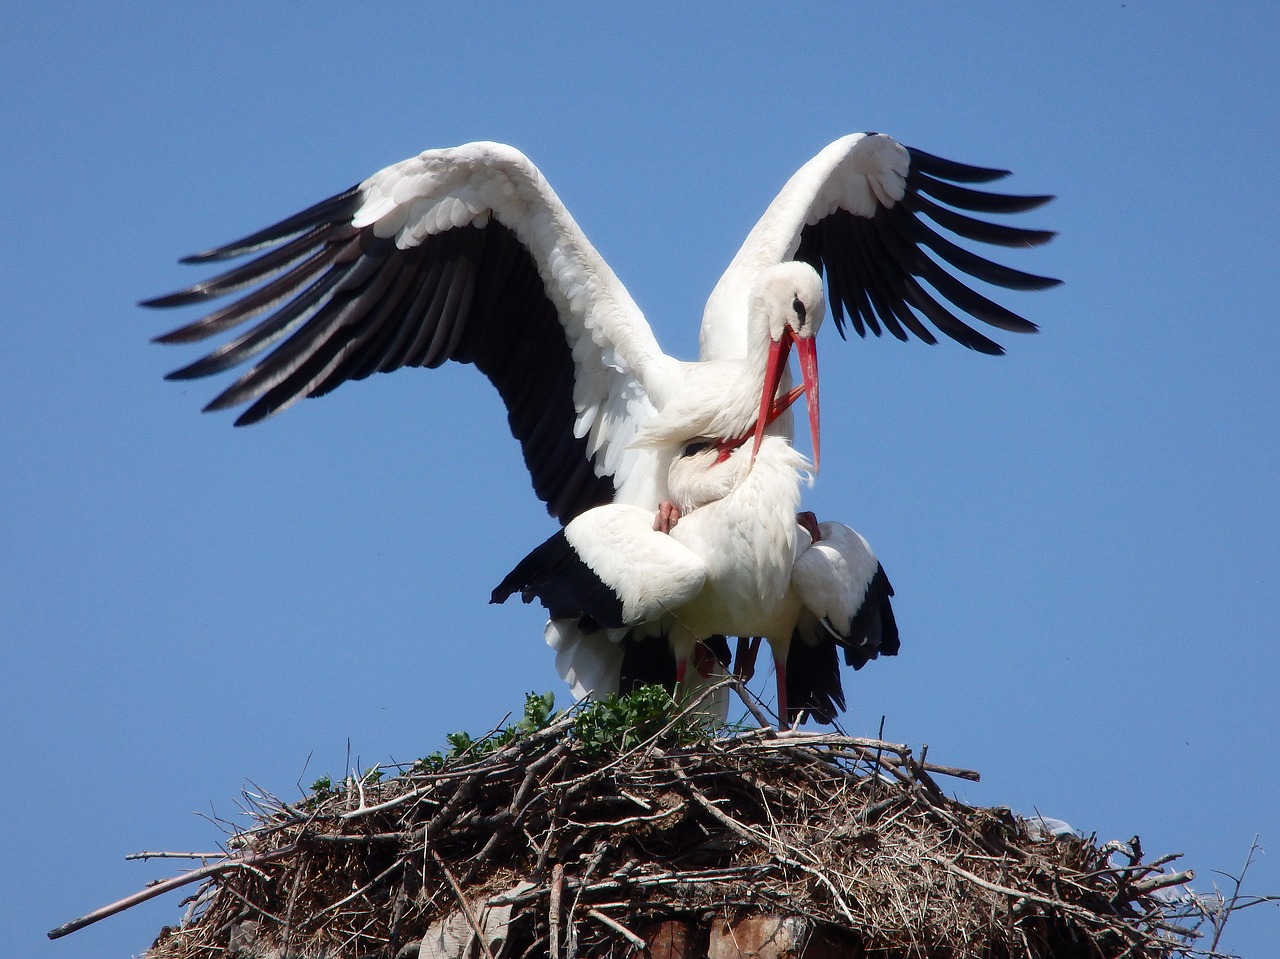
544 847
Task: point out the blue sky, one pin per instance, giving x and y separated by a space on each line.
1083 534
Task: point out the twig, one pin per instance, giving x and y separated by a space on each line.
1220 921
618 928
1145 887
160 888
553 909
833 739
762 840
955 772
389 804
1023 894
515 811
749 700
879 755
398 864
463 904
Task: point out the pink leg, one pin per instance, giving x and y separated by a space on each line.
780 669
668 515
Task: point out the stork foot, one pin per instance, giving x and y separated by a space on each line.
668 515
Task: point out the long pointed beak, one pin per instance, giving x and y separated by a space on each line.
807 353
779 350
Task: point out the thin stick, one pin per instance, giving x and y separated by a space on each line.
1144 887
1221 923
358 893
761 839
160 888
953 771
749 700
465 906
1017 894
390 803
553 917
618 928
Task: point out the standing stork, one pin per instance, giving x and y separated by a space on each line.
738 562
467 254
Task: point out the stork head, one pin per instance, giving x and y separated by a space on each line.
705 470
789 303
701 473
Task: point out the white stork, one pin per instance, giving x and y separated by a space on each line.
737 563
466 254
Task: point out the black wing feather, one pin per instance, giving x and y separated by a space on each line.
874 630
874 266
978 201
556 576
341 304
813 680
952 169
336 209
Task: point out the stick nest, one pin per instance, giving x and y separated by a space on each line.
582 847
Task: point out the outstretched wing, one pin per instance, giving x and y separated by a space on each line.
857 213
461 254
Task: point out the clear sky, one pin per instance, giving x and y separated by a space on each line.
1083 534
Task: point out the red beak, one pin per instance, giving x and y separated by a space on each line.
770 407
807 353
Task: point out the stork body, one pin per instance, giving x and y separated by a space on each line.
725 569
737 563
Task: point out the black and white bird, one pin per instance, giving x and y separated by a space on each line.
736 563
466 254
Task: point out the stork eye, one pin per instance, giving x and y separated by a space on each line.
798 305
697 446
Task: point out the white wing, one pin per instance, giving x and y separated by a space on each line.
853 213
606 579
846 595
459 254
649 572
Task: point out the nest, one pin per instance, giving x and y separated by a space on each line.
557 842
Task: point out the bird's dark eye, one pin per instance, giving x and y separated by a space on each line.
798 306
697 446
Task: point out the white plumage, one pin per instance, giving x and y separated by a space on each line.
737 563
